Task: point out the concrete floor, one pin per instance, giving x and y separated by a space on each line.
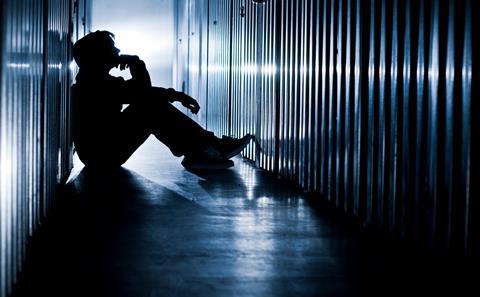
154 229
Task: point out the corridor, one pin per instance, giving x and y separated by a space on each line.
360 176
155 229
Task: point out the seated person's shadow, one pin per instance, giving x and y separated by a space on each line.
118 191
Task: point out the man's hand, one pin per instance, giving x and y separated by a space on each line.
174 96
187 101
125 61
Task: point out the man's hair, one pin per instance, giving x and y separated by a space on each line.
92 48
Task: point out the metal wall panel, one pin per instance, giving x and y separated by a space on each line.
35 144
365 102
218 88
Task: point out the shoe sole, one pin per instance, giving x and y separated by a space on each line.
237 151
209 166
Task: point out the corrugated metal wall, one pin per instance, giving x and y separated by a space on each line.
366 102
35 145
190 71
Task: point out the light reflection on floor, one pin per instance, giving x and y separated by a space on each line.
238 232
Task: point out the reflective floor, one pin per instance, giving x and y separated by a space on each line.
155 229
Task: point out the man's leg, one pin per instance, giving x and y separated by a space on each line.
182 135
177 131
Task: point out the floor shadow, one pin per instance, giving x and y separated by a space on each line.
107 225
117 233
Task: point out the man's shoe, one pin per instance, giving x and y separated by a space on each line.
198 163
229 146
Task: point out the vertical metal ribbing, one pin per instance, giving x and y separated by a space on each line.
2 199
25 171
277 27
339 105
209 62
16 148
380 119
212 48
394 119
283 69
254 79
357 112
432 122
470 225
370 144
332 56
310 137
233 66
302 70
218 110
245 52
281 91
448 185
244 60
248 71
261 95
274 84
289 111
287 88
242 70
467 229
236 64
247 66
258 100
354 99
227 14
406 147
202 35
295 127
324 103
420 128
286 75
269 73
306 65
347 161
316 98
5 153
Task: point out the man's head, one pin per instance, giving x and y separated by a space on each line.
96 50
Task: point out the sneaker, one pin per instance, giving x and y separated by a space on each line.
229 146
198 163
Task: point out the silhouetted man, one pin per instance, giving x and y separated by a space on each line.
106 136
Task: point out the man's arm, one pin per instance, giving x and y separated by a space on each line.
140 84
140 76
171 95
